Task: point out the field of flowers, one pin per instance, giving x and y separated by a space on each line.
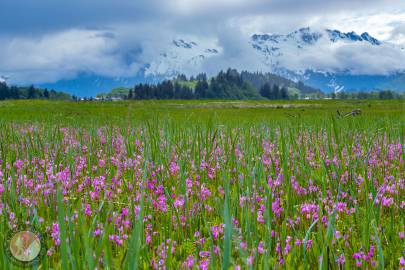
201 186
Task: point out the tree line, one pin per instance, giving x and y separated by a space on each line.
382 94
228 84
231 84
15 92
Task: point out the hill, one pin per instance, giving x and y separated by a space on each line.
228 84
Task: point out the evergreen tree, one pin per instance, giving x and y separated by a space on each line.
31 92
182 77
201 89
275 93
46 94
201 77
386 94
265 91
167 90
284 93
14 92
3 91
130 94
52 93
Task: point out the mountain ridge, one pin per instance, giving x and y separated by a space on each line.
185 55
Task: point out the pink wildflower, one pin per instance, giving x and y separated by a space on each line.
87 210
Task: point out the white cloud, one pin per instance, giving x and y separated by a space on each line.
188 7
381 25
359 58
62 55
354 57
50 44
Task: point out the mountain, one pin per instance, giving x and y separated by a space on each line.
90 84
229 84
328 59
181 55
275 48
340 81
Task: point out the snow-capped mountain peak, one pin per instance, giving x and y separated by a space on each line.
330 60
336 35
301 37
306 36
299 55
188 54
183 44
181 55
367 37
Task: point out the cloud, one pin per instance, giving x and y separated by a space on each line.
397 35
357 58
46 41
362 60
237 52
32 17
63 55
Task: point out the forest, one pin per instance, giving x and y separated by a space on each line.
226 85
229 84
31 92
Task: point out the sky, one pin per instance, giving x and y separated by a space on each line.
50 40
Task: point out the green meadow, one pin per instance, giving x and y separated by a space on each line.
225 112
205 184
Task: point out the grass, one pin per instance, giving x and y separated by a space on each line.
205 184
